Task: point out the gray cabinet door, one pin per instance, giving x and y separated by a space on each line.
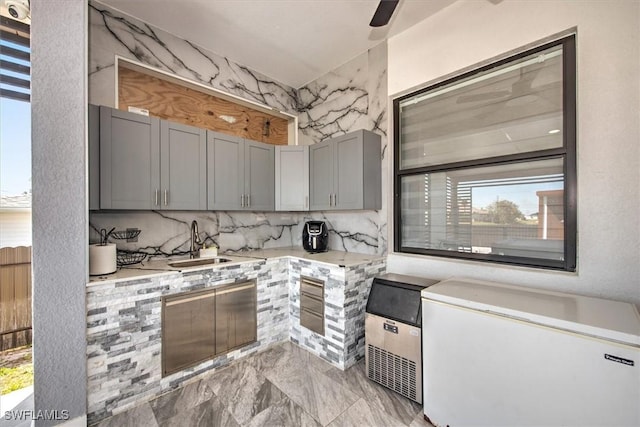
225 176
183 167
321 175
94 157
129 160
259 169
347 172
292 178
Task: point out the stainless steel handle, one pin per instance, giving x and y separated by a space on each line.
157 197
330 200
248 200
335 200
183 300
166 198
236 289
242 200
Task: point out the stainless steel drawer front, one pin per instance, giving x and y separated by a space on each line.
312 304
311 287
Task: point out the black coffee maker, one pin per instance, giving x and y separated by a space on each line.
315 237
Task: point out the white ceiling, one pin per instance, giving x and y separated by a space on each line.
291 41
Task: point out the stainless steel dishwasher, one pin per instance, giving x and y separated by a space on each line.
393 333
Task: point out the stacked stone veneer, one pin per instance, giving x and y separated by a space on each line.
346 290
124 338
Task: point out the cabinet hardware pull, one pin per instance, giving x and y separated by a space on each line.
330 200
188 299
240 288
248 200
156 192
335 200
242 200
166 198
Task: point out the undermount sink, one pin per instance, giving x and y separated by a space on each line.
198 261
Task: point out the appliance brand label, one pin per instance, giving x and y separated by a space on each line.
391 328
619 359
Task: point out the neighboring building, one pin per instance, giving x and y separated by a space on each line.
15 220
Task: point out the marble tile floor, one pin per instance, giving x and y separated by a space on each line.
282 386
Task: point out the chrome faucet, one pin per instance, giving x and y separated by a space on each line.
195 239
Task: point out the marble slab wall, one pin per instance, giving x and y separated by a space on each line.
351 97
124 331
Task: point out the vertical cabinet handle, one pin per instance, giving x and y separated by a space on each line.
156 193
242 200
166 198
330 200
248 200
335 200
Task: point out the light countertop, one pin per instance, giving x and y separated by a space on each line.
336 258
161 265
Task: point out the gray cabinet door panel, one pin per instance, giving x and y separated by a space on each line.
94 157
225 176
129 160
321 175
348 176
259 176
292 178
183 155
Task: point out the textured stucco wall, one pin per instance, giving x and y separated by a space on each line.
60 218
608 125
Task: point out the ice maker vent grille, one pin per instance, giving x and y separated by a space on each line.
392 371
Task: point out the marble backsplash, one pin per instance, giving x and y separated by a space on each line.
169 233
351 97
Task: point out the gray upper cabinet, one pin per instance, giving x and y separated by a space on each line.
241 173
259 181
148 163
225 181
345 172
321 163
292 178
183 167
94 157
129 160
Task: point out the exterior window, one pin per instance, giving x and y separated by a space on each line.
485 164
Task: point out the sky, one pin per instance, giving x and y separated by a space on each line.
15 147
522 195
15 141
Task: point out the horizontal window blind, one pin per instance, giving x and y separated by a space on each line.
15 60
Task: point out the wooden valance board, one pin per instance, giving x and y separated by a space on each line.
172 101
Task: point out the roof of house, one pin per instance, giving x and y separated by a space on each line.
21 201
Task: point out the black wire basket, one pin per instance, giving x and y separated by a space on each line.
129 233
129 258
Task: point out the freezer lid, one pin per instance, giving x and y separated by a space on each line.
601 318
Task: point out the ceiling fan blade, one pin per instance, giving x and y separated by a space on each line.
487 96
383 13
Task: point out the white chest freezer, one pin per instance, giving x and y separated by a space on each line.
501 355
